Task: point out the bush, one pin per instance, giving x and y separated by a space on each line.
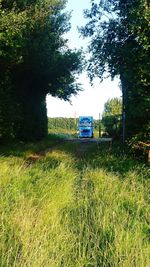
140 145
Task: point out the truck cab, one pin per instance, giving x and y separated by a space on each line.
85 126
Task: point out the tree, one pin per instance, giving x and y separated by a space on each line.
12 25
120 46
113 106
36 60
111 117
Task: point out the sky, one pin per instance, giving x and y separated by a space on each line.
90 101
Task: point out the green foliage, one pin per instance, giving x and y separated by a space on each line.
140 145
120 45
112 117
113 126
62 210
36 61
62 123
112 107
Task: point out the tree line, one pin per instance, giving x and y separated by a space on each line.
60 123
35 61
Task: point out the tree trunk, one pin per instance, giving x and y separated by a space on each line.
33 123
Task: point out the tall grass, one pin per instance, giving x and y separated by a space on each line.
74 210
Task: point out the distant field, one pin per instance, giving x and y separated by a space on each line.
79 206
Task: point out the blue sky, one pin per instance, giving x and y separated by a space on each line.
91 100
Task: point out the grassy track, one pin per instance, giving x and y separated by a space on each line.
80 206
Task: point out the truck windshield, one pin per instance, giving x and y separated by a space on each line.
85 124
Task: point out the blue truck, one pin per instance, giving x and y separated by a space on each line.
85 126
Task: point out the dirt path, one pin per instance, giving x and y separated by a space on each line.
82 148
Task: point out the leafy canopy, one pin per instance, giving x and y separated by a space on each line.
35 61
113 106
120 46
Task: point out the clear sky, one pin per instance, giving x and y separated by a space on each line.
91 100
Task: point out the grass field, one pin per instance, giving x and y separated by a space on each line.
79 206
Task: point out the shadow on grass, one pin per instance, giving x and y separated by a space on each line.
114 159
20 149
